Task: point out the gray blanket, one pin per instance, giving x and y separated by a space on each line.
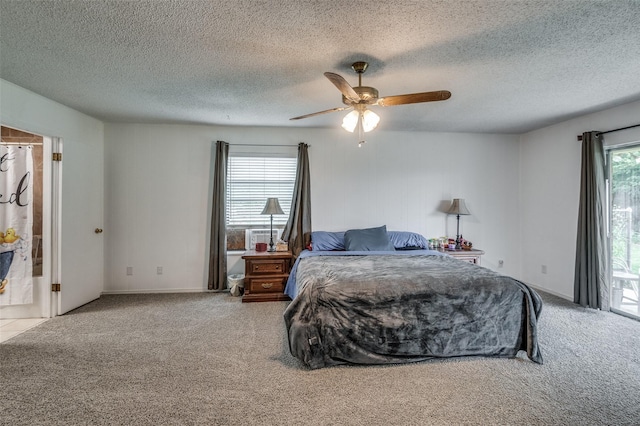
381 309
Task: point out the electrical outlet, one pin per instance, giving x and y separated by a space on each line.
159 270
500 263
543 269
129 270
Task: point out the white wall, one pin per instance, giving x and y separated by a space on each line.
549 194
158 184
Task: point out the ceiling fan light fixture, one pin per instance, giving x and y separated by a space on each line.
369 120
350 121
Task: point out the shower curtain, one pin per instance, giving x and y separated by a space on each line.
16 220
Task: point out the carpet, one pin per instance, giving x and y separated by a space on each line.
206 358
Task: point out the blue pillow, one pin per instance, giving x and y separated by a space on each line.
407 240
370 239
327 241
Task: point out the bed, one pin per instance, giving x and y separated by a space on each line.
396 306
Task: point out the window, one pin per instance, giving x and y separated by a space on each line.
253 179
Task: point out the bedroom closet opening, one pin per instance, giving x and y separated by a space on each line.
624 228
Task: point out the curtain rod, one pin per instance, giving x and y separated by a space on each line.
21 143
259 144
612 131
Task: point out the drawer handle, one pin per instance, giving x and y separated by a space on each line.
260 268
267 285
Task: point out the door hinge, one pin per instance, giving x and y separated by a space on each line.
55 287
57 156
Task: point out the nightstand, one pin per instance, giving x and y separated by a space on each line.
266 275
471 256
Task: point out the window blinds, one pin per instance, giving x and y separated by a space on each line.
250 181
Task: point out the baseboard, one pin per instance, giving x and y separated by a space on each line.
157 291
200 290
546 290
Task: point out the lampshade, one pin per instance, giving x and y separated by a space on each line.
458 207
369 119
272 207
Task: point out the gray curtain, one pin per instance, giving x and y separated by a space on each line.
297 231
218 245
591 286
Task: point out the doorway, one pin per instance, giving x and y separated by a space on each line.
40 241
624 214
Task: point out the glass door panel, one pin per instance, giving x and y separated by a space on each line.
625 230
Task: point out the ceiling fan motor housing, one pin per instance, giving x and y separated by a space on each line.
368 95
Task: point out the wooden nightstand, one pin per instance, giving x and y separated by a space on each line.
471 256
265 275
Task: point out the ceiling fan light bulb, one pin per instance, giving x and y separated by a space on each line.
350 121
370 120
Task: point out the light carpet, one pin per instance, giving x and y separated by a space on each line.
188 359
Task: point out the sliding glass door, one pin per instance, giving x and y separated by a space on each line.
624 211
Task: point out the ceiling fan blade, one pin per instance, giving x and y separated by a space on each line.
320 112
414 98
343 86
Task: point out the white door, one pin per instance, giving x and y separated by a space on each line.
79 266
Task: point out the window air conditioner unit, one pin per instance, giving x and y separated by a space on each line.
253 236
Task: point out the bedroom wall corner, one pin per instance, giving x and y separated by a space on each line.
549 187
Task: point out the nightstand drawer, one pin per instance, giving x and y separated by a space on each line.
267 284
271 266
471 256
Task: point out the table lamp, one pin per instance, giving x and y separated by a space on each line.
272 207
458 208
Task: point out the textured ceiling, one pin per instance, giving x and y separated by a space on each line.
512 66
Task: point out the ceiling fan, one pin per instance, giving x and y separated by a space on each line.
359 98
